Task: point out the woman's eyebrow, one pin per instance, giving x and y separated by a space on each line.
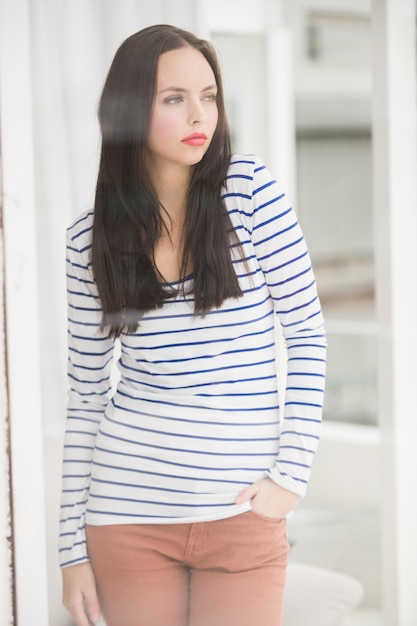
183 90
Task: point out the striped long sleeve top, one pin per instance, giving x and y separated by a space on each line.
195 415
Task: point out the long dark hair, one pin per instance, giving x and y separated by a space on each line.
127 213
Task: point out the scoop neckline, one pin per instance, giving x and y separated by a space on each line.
179 281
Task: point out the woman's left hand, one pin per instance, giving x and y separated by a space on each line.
269 499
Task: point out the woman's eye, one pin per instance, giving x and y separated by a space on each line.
211 97
174 99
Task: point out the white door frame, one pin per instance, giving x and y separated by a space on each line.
395 210
22 332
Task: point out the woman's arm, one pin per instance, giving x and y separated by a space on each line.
90 356
284 259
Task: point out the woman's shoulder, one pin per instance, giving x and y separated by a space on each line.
246 173
244 163
245 167
81 227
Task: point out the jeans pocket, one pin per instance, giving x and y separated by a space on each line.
266 518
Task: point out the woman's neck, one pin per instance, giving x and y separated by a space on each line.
171 187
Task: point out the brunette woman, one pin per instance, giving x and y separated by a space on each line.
178 479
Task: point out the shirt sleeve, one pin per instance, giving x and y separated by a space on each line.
90 355
284 259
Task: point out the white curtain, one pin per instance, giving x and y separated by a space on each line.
72 45
73 42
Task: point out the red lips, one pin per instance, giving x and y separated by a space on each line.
196 139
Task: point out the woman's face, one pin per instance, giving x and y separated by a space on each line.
184 115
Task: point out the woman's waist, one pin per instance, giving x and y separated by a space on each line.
233 397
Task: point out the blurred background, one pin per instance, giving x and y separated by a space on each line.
299 79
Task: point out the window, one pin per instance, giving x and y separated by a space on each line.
341 38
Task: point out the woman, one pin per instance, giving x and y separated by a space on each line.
177 484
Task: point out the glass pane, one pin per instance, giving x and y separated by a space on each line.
334 202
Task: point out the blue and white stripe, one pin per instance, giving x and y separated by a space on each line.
195 416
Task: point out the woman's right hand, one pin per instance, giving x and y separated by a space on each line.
79 595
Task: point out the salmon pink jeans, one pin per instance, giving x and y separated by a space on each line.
229 572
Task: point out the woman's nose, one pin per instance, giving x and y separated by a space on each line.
197 112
